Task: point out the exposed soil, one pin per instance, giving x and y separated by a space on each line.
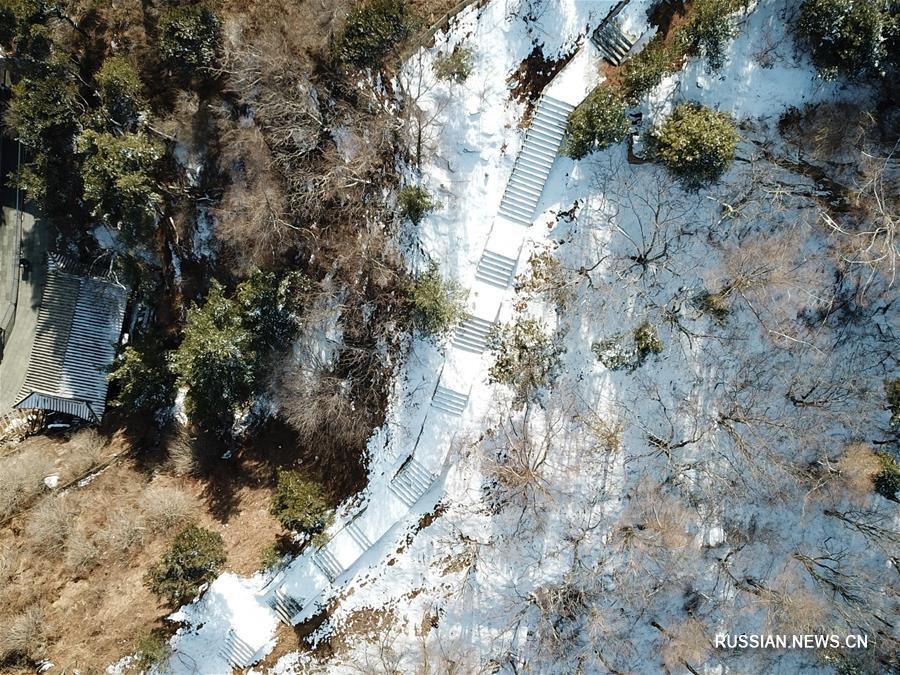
95 618
532 77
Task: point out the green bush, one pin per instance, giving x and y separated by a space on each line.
42 111
714 304
194 558
887 480
436 305
526 358
372 29
142 376
642 72
189 37
647 341
120 89
228 343
300 505
844 37
620 353
120 184
709 29
695 143
597 123
151 648
8 22
216 359
415 203
892 394
455 66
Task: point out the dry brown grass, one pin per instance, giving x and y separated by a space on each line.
685 643
82 554
795 609
656 520
168 508
125 530
857 467
24 635
86 449
182 453
49 525
9 565
21 479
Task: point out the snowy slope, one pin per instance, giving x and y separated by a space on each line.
561 571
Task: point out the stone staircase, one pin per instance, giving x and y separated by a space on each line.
535 160
327 563
472 335
613 43
411 482
495 269
285 606
449 401
236 652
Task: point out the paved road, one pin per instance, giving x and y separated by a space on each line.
18 345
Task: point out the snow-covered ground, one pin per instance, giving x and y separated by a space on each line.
640 484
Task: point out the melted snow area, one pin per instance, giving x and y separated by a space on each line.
631 515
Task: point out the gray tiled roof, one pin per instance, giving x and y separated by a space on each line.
78 327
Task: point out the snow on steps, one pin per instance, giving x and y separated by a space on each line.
613 42
284 605
328 563
495 269
449 401
472 334
412 481
237 652
542 141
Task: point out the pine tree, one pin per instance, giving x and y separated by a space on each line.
695 143
194 558
190 38
596 124
845 37
300 505
215 360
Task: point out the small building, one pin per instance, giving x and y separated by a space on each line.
78 328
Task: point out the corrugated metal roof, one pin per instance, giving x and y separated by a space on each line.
74 346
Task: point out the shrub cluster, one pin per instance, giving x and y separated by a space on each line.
455 66
371 31
414 202
436 304
846 37
526 358
597 123
646 69
887 480
695 143
619 353
300 505
194 558
709 29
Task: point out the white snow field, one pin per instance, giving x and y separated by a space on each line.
457 567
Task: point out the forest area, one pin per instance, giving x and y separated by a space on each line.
144 124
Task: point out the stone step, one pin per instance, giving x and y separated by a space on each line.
412 481
285 606
325 561
450 401
472 334
495 269
356 533
237 652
